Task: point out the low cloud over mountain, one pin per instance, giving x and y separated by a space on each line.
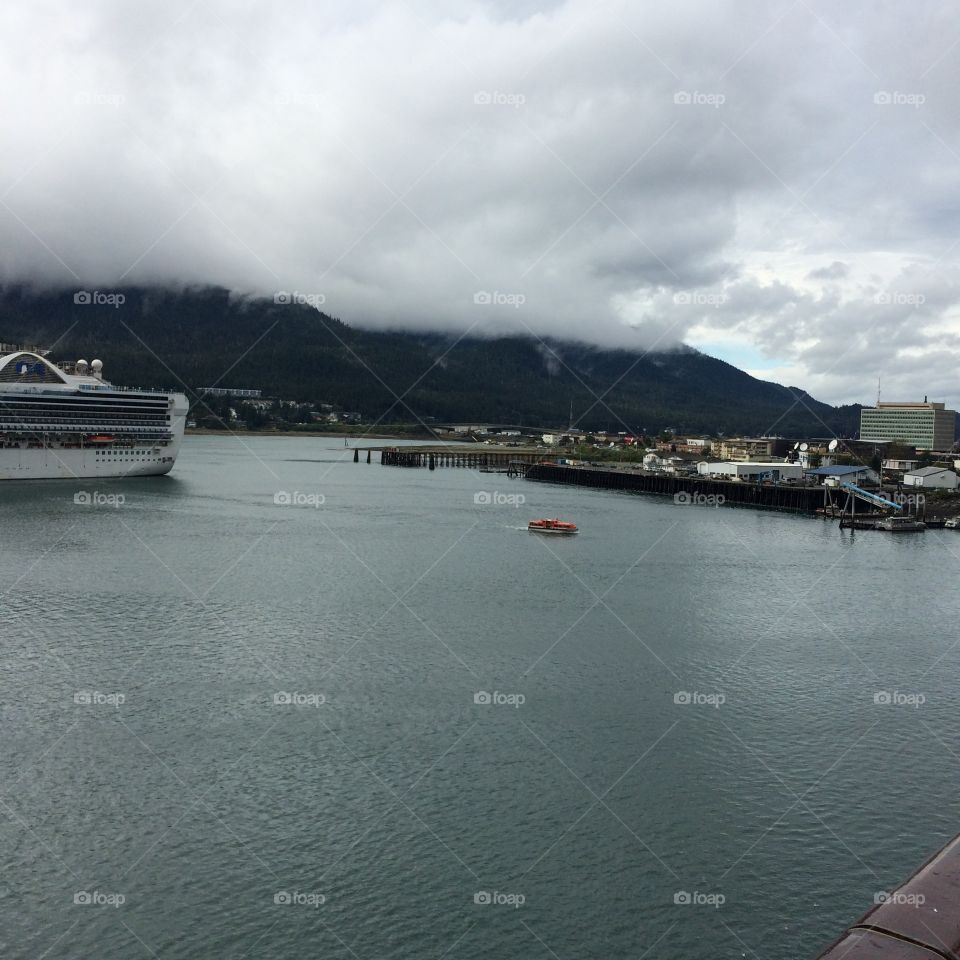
772 182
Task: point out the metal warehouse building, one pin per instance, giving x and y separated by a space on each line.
741 470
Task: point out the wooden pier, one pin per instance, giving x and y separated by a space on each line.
768 496
814 499
511 461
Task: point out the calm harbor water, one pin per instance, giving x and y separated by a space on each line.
237 727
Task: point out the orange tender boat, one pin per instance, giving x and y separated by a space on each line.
552 526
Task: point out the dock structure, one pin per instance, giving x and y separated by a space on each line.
514 461
811 499
770 496
917 921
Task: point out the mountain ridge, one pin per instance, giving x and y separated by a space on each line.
206 336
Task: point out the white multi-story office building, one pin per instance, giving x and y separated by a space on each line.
927 426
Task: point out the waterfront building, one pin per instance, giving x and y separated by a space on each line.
751 470
750 448
927 426
900 465
843 473
230 392
744 448
935 478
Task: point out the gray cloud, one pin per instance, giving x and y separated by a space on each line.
779 177
835 271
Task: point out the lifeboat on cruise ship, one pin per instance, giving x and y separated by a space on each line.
100 438
552 526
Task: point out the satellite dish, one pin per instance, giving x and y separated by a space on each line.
796 446
833 445
804 446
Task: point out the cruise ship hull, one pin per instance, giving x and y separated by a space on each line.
70 463
58 424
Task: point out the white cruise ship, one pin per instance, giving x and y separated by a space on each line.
68 422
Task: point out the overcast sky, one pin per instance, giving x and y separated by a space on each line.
775 183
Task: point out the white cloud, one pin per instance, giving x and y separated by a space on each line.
783 167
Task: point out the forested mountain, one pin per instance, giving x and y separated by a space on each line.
207 337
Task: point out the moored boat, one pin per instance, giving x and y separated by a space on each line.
552 526
901 525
